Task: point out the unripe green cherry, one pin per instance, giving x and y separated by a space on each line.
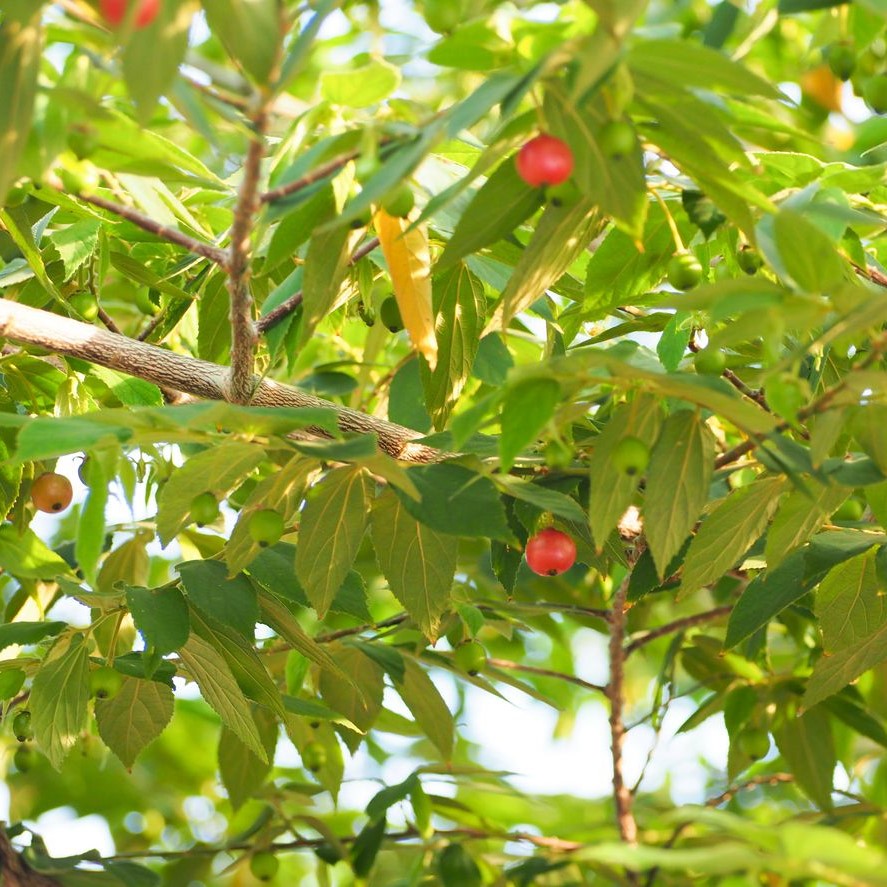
314 756
630 456
754 742
617 139
105 682
749 260
85 304
470 657
709 362
564 194
21 726
684 271
361 220
204 509
266 527
841 59
399 201
443 15
389 314
24 758
263 865
850 509
874 91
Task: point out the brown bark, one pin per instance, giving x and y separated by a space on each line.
15 872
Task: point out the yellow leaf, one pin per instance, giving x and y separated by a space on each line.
409 263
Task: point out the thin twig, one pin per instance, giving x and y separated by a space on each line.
243 331
752 393
563 609
320 172
173 235
285 308
677 625
546 673
628 829
108 321
360 629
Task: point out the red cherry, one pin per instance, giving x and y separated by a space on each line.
544 160
551 552
115 11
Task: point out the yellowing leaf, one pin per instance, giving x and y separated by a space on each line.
409 263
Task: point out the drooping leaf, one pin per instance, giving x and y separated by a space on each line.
418 562
241 771
423 699
231 601
250 32
359 700
807 745
161 615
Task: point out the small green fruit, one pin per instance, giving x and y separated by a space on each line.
389 313
630 456
16 196
105 682
749 260
841 59
564 194
361 220
874 91
204 509
754 742
264 865
617 139
684 271
709 362
851 509
80 177
85 304
21 726
83 142
266 527
470 657
24 758
314 756
400 201
443 16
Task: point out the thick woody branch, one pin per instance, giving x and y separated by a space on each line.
146 223
31 326
243 332
15 872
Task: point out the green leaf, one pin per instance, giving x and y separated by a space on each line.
457 501
528 408
868 425
152 56
296 227
216 470
460 306
229 601
768 594
850 603
360 699
684 63
677 484
333 524
611 490
729 531
561 236
134 717
362 86
100 470
423 699
59 695
543 498
495 210
418 562
21 48
25 555
161 615
326 265
806 744
207 666
807 254
801 513
11 682
28 632
249 31
127 564
242 773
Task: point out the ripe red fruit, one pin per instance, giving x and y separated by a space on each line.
51 492
544 160
551 552
115 12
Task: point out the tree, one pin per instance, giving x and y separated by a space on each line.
317 425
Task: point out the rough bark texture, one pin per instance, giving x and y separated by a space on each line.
31 326
15 872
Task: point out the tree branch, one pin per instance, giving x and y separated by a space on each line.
243 331
321 172
285 308
32 326
628 829
546 673
15 872
173 235
677 625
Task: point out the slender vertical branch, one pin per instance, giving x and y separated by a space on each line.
243 331
628 830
